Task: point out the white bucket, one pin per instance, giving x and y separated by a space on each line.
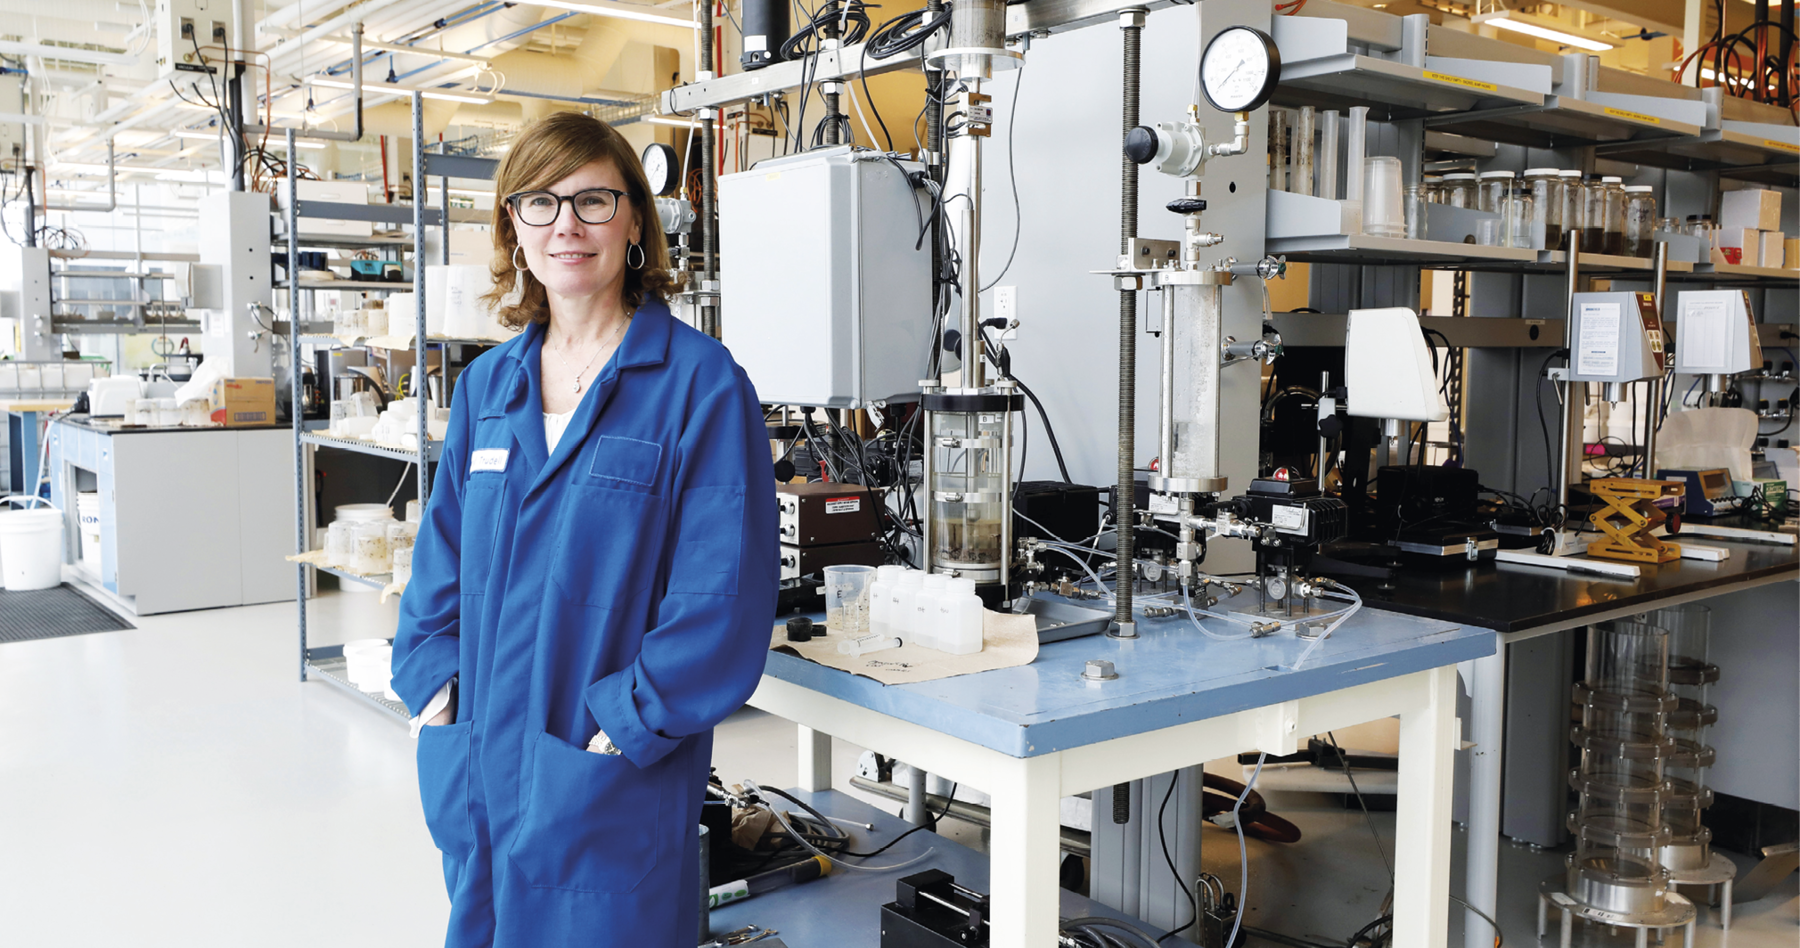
87 513
31 547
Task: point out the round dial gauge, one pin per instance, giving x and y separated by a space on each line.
660 166
1239 69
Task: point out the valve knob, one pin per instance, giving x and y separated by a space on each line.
1140 144
1187 205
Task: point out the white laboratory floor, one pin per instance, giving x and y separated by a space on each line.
175 784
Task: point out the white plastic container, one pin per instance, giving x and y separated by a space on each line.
900 621
881 599
959 616
368 663
87 513
363 513
30 547
924 618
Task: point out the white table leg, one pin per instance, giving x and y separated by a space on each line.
1428 739
815 759
1022 867
1487 689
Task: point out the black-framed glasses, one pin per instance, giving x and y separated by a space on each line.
540 208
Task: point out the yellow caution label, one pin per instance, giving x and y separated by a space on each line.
1784 146
1634 116
1460 81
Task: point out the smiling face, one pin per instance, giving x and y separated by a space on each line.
573 259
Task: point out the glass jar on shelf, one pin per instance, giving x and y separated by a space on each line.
1612 198
1494 188
1572 197
1459 189
1640 220
1518 210
1545 186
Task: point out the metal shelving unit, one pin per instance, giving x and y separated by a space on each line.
326 663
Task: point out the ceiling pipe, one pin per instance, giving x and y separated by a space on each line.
356 79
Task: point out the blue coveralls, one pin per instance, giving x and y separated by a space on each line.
625 583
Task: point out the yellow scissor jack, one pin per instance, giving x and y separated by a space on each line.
1629 516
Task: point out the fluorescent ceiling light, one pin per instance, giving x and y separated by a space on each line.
387 88
207 135
666 120
413 50
197 176
1541 28
471 192
93 56
617 11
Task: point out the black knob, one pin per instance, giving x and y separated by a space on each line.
1140 144
799 629
1187 205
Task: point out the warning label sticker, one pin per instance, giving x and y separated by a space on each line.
837 505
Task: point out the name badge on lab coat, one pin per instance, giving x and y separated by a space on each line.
491 459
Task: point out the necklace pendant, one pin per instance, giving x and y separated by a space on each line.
577 384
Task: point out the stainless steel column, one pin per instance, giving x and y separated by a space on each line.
1660 258
1573 416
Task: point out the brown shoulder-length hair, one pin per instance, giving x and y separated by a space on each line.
548 151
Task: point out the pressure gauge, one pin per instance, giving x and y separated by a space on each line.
1239 69
660 166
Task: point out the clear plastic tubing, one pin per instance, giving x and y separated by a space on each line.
1329 123
1354 147
1333 627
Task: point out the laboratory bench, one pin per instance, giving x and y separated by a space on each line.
1522 601
1033 734
1518 719
190 518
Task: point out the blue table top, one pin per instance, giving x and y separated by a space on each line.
844 908
1169 675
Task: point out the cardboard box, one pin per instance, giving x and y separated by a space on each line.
243 403
1748 239
1750 208
1790 253
1774 248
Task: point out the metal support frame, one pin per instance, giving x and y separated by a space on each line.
1027 791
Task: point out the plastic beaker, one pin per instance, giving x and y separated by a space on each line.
1384 211
847 599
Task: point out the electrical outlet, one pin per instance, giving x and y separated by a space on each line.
1006 306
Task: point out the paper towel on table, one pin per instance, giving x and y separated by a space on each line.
1007 641
200 384
1708 438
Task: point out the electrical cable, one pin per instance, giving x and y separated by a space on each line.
1163 838
801 838
1012 178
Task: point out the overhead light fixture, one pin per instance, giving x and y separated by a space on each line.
1540 28
196 176
616 11
387 88
93 56
667 120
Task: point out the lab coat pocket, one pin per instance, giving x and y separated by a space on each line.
592 822
608 544
444 786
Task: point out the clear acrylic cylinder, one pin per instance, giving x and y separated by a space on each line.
1627 657
969 482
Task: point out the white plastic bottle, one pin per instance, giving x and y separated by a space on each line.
925 625
959 618
881 597
905 591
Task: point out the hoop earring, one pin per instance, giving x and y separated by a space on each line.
515 260
639 265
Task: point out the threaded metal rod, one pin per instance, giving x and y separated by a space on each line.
1131 23
709 246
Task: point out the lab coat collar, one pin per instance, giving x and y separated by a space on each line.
646 343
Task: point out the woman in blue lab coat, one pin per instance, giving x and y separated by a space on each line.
594 582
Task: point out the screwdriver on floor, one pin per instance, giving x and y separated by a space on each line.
805 871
